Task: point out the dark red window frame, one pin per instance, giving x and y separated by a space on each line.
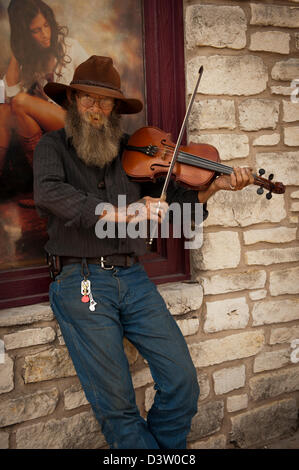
165 94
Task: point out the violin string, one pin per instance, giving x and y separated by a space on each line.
205 163
200 162
211 165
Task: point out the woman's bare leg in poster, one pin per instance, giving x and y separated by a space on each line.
33 115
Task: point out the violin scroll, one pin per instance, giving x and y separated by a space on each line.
276 188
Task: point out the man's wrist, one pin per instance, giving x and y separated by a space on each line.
203 196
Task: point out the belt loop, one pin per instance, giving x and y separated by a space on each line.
83 266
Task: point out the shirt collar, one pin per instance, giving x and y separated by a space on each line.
68 140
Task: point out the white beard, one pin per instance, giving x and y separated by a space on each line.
96 141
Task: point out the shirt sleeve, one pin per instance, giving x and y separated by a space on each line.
13 90
175 193
53 195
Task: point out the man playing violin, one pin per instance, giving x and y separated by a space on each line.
101 292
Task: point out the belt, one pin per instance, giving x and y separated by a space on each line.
106 262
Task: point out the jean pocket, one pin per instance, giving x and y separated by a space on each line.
67 271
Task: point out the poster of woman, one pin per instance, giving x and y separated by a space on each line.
45 41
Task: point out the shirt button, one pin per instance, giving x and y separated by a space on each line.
101 185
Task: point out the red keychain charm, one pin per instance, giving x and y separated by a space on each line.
85 290
87 295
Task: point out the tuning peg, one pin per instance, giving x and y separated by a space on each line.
271 176
261 171
269 195
260 190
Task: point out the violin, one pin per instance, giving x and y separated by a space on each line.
149 152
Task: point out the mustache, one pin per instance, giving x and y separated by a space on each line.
96 115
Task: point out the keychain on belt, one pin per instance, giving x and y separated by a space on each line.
86 288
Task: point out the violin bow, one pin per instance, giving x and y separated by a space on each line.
176 150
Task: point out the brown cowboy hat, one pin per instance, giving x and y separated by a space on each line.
96 75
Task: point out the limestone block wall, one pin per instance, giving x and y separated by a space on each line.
249 262
240 314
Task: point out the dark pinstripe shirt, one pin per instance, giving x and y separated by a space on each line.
67 192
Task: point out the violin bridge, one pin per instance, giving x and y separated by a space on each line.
163 155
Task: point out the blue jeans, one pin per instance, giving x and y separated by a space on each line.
128 304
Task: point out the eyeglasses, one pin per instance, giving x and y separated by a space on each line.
88 101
